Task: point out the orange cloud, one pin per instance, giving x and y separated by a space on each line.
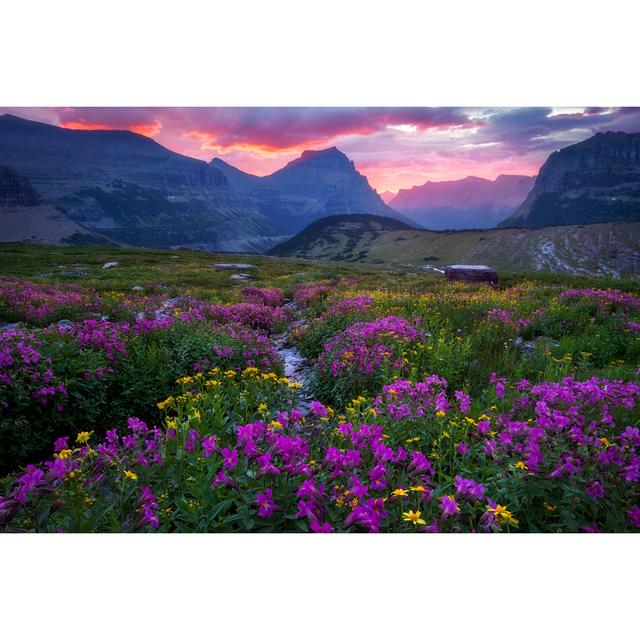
150 129
211 142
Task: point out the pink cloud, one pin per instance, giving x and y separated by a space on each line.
394 147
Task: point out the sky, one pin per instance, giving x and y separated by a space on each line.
395 147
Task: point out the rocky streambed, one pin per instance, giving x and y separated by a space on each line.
296 366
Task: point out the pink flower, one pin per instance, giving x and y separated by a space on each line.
229 458
266 505
449 506
634 516
463 448
595 490
318 409
61 443
209 445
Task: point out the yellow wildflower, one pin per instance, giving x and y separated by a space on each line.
418 489
521 465
130 475
65 453
83 437
440 414
165 403
502 514
400 492
413 516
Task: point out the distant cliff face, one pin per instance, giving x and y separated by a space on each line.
315 185
597 180
131 189
16 191
468 203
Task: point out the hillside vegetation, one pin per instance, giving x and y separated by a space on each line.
185 392
606 249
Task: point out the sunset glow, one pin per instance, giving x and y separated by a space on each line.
394 147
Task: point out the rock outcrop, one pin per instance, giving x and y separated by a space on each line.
16 191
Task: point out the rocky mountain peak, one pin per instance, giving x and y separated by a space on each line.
596 180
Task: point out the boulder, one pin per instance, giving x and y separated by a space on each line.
232 266
471 273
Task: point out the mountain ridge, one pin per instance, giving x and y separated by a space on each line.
469 202
595 180
131 189
319 183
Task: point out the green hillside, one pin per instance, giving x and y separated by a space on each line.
607 249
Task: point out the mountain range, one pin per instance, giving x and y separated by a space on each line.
470 203
127 188
105 187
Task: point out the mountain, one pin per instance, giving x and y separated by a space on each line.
237 178
130 189
317 184
596 180
387 196
338 235
25 218
607 249
470 203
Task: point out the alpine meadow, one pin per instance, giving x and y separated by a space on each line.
384 320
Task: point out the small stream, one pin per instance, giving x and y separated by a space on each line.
296 366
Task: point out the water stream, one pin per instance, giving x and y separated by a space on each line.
296 366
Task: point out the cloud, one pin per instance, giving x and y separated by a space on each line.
149 129
395 147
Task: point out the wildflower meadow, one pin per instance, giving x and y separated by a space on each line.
165 396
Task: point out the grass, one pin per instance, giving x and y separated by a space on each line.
193 273
431 371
